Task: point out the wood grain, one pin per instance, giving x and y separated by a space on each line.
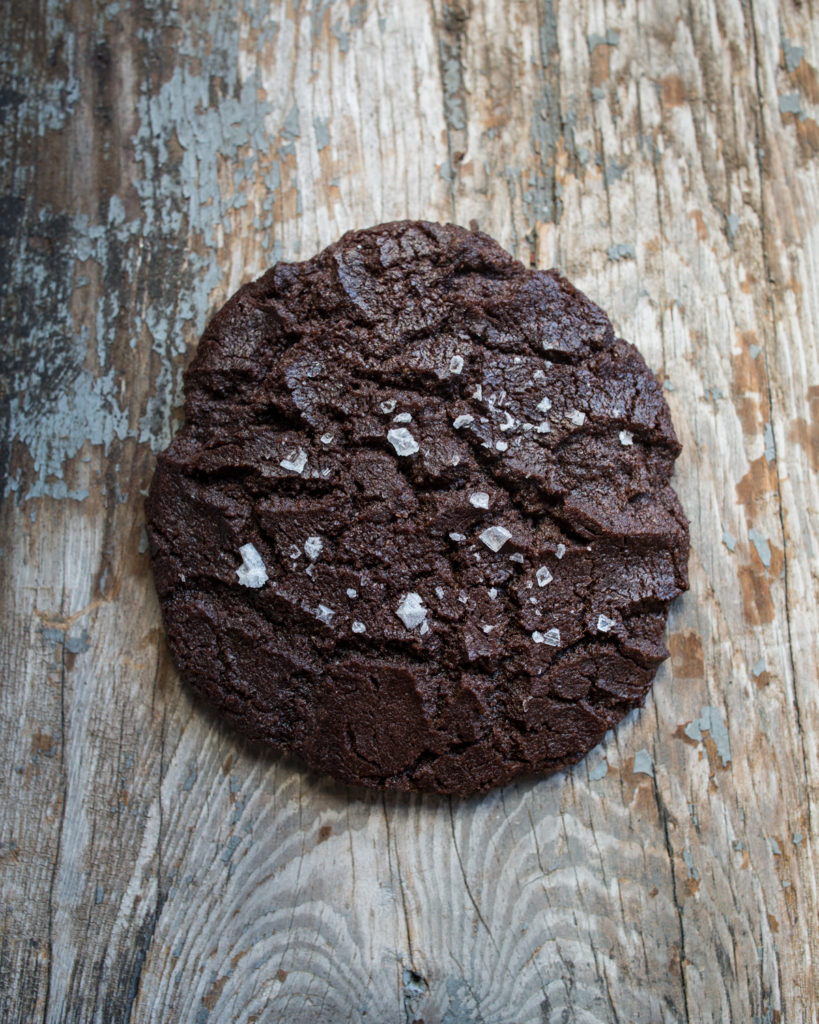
161 152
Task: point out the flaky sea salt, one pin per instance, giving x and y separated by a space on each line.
294 552
457 537
577 417
326 438
402 441
297 463
502 446
626 438
403 417
359 627
543 576
463 421
251 572
494 537
456 364
560 550
604 623
478 392
411 610
324 614
388 406
312 547
543 427
544 405
439 593
480 499
517 557
552 637
351 592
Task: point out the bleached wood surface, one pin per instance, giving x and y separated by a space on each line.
159 153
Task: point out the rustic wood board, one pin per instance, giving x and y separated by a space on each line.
161 152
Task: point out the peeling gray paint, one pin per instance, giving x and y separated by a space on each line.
611 38
762 547
791 103
599 771
322 130
57 401
643 763
760 667
775 847
689 864
793 55
621 251
731 226
728 539
710 721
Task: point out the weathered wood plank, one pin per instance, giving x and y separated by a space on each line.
152 866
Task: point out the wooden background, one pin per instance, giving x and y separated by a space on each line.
157 153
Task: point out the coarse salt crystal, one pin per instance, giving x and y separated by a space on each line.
527 427
493 593
501 446
359 627
487 628
509 423
626 438
462 597
577 417
457 537
517 557
439 593
494 537
294 552
324 614
543 427
388 406
560 550
552 637
251 572
463 421
326 438
604 623
297 463
544 405
424 628
402 441
312 547
411 610
538 637
456 364
480 499
543 576
478 392
403 417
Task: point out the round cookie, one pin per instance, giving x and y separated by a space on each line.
418 527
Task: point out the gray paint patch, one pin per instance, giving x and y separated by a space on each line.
322 130
793 55
731 226
621 251
611 38
710 721
599 771
762 547
791 103
77 644
643 763
760 667
775 847
728 539
689 864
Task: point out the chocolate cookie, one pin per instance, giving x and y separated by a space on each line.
418 528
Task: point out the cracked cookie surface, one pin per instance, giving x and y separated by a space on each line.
418 527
